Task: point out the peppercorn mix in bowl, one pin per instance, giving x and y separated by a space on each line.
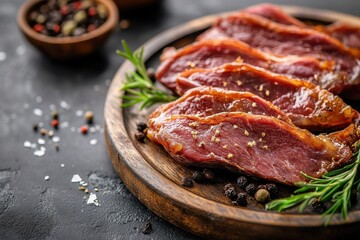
65 29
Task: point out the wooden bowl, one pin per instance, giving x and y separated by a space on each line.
67 47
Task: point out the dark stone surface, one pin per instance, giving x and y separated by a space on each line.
32 208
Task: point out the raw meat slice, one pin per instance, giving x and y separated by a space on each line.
213 53
262 146
307 105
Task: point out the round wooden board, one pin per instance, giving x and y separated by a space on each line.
155 179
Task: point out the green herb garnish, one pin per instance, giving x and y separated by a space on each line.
334 186
138 86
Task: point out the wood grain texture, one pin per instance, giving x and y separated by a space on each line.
155 179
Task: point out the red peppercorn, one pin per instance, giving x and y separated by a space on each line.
92 11
77 5
91 27
38 27
64 10
55 123
56 28
84 129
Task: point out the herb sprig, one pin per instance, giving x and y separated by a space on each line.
334 186
138 86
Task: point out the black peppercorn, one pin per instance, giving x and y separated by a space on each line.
241 199
187 182
147 229
208 175
198 176
251 189
141 126
227 186
261 186
140 137
35 127
231 193
318 206
242 181
274 193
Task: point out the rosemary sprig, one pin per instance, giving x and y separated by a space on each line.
334 186
138 86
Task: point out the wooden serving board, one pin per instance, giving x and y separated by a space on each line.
155 178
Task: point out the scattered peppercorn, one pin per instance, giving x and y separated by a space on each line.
50 134
241 199
251 189
55 123
61 18
140 136
208 175
261 186
318 206
43 131
187 182
84 129
35 127
227 186
147 229
271 187
198 176
262 195
231 193
242 181
55 115
141 126
89 117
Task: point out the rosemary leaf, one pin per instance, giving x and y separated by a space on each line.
138 87
334 186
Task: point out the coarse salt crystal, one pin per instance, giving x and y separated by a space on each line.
62 165
41 141
27 144
46 178
76 178
93 199
55 139
38 112
93 141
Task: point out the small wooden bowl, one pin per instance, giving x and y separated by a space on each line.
67 47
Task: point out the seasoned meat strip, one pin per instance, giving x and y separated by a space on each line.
307 105
206 101
258 145
282 39
213 53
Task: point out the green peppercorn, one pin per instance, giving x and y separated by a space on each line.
68 28
80 16
262 195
